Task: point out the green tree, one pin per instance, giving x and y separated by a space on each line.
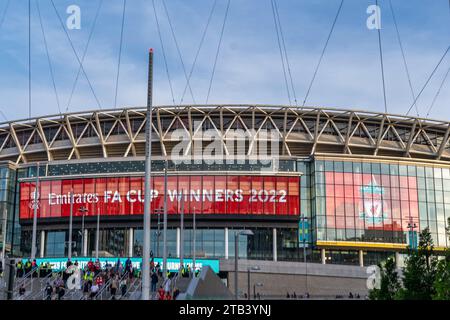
389 284
419 274
442 281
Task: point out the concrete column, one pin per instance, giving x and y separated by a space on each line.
226 243
85 244
397 260
42 251
130 242
361 258
324 257
275 258
178 242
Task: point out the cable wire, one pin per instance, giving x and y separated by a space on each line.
120 52
323 53
403 56
198 50
3 16
285 51
163 51
178 49
76 55
281 52
48 56
29 60
381 62
443 80
429 78
84 55
218 50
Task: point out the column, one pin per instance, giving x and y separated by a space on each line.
226 243
130 241
324 257
178 242
85 244
361 258
275 258
397 260
42 251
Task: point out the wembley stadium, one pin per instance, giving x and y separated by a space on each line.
349 187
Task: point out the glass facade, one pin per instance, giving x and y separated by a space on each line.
352 201
376 202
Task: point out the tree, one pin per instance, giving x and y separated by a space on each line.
442 281
419 274
389 284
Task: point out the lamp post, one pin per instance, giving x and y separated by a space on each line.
254 268
158 229
83 211
254 288
236 257
69 253
35 208
97 235
194 243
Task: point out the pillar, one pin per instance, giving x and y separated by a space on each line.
226 243
42 251
397 260
323 256
130 241
275 258
361 258
178 242
85 244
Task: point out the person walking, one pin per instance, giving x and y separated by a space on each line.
48 291
123 286
155 280
114 286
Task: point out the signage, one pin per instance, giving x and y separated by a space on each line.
114 196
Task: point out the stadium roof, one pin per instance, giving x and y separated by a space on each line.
302 131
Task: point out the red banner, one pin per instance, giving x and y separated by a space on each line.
244 195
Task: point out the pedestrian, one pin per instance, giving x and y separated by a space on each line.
167 284
161 293
176 292
155 280
22 290
48 291
114 287
123 286
94 290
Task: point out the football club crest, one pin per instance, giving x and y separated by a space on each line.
372 206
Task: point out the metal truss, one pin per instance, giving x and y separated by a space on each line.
300 131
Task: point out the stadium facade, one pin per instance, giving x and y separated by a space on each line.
341 186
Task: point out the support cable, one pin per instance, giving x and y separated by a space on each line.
381 63
48 57
443 80
285 52
178 50
316 70
404 57
281 53
84 55
218 50
120 52
3 16
163 52
429 78
29 59
76 54
198 50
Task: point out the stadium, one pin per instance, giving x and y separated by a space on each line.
345 187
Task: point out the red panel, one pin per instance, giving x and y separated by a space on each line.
125 195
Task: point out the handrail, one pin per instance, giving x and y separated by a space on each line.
124 275
43 284
132 285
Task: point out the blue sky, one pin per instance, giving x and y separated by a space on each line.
249 66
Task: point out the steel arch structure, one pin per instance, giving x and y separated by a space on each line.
303 131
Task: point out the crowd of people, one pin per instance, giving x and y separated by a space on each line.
95 276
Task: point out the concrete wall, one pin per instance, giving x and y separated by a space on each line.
279 278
